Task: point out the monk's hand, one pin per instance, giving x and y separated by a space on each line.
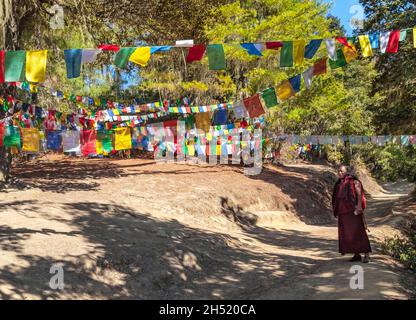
358 211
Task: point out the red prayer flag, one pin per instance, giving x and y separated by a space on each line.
254 106
274 45
320 67
109 47
2 55
196 53
393 45
344 41
88 142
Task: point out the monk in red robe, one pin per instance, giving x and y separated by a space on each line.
347 204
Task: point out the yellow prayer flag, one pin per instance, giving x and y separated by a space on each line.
349 54
203 121
414 37
365 46
140 56
299 52
191 150
36 65
31 139
122 139
99 146
284 90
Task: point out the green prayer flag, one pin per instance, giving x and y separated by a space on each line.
15 66
122 56
286 55
403 35
269 98
11 137
105 137
216 57
340 62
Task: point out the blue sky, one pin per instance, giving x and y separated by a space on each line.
345 10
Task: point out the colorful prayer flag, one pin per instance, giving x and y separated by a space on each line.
340 62
274 45
36 65
284 90
299 52
320 67
384 41
89 55
196 53
54 140
109 47
2 62
31 140
295 82
88 143
286 55
312 48
374 40
122 56
254 106
308 77
14 64
253 48
122 139
73 59
393 44
11 137
269 97
140 56
203 121
216 57
349 54
414 37
331 48
71 141
365 46
403 35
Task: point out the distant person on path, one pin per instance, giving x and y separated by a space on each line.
348 203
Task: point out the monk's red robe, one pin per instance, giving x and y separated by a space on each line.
352 235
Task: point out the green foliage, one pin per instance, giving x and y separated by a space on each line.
404 248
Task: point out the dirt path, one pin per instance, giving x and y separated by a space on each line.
135 229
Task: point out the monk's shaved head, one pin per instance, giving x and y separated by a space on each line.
342 170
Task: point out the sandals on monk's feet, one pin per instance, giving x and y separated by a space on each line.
356 257
366 258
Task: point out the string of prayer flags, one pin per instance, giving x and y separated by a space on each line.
331 48
384 41
122 56
366 47
374 40
216 57
71 141
295 82
89 55
54 140
122 139
308 77
88 143
254 106
284 90
253 48
73 62
339 62
299 52
196 53
36 65
31 139
140 56
393 44
14 65
311 48
269 97
286 54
